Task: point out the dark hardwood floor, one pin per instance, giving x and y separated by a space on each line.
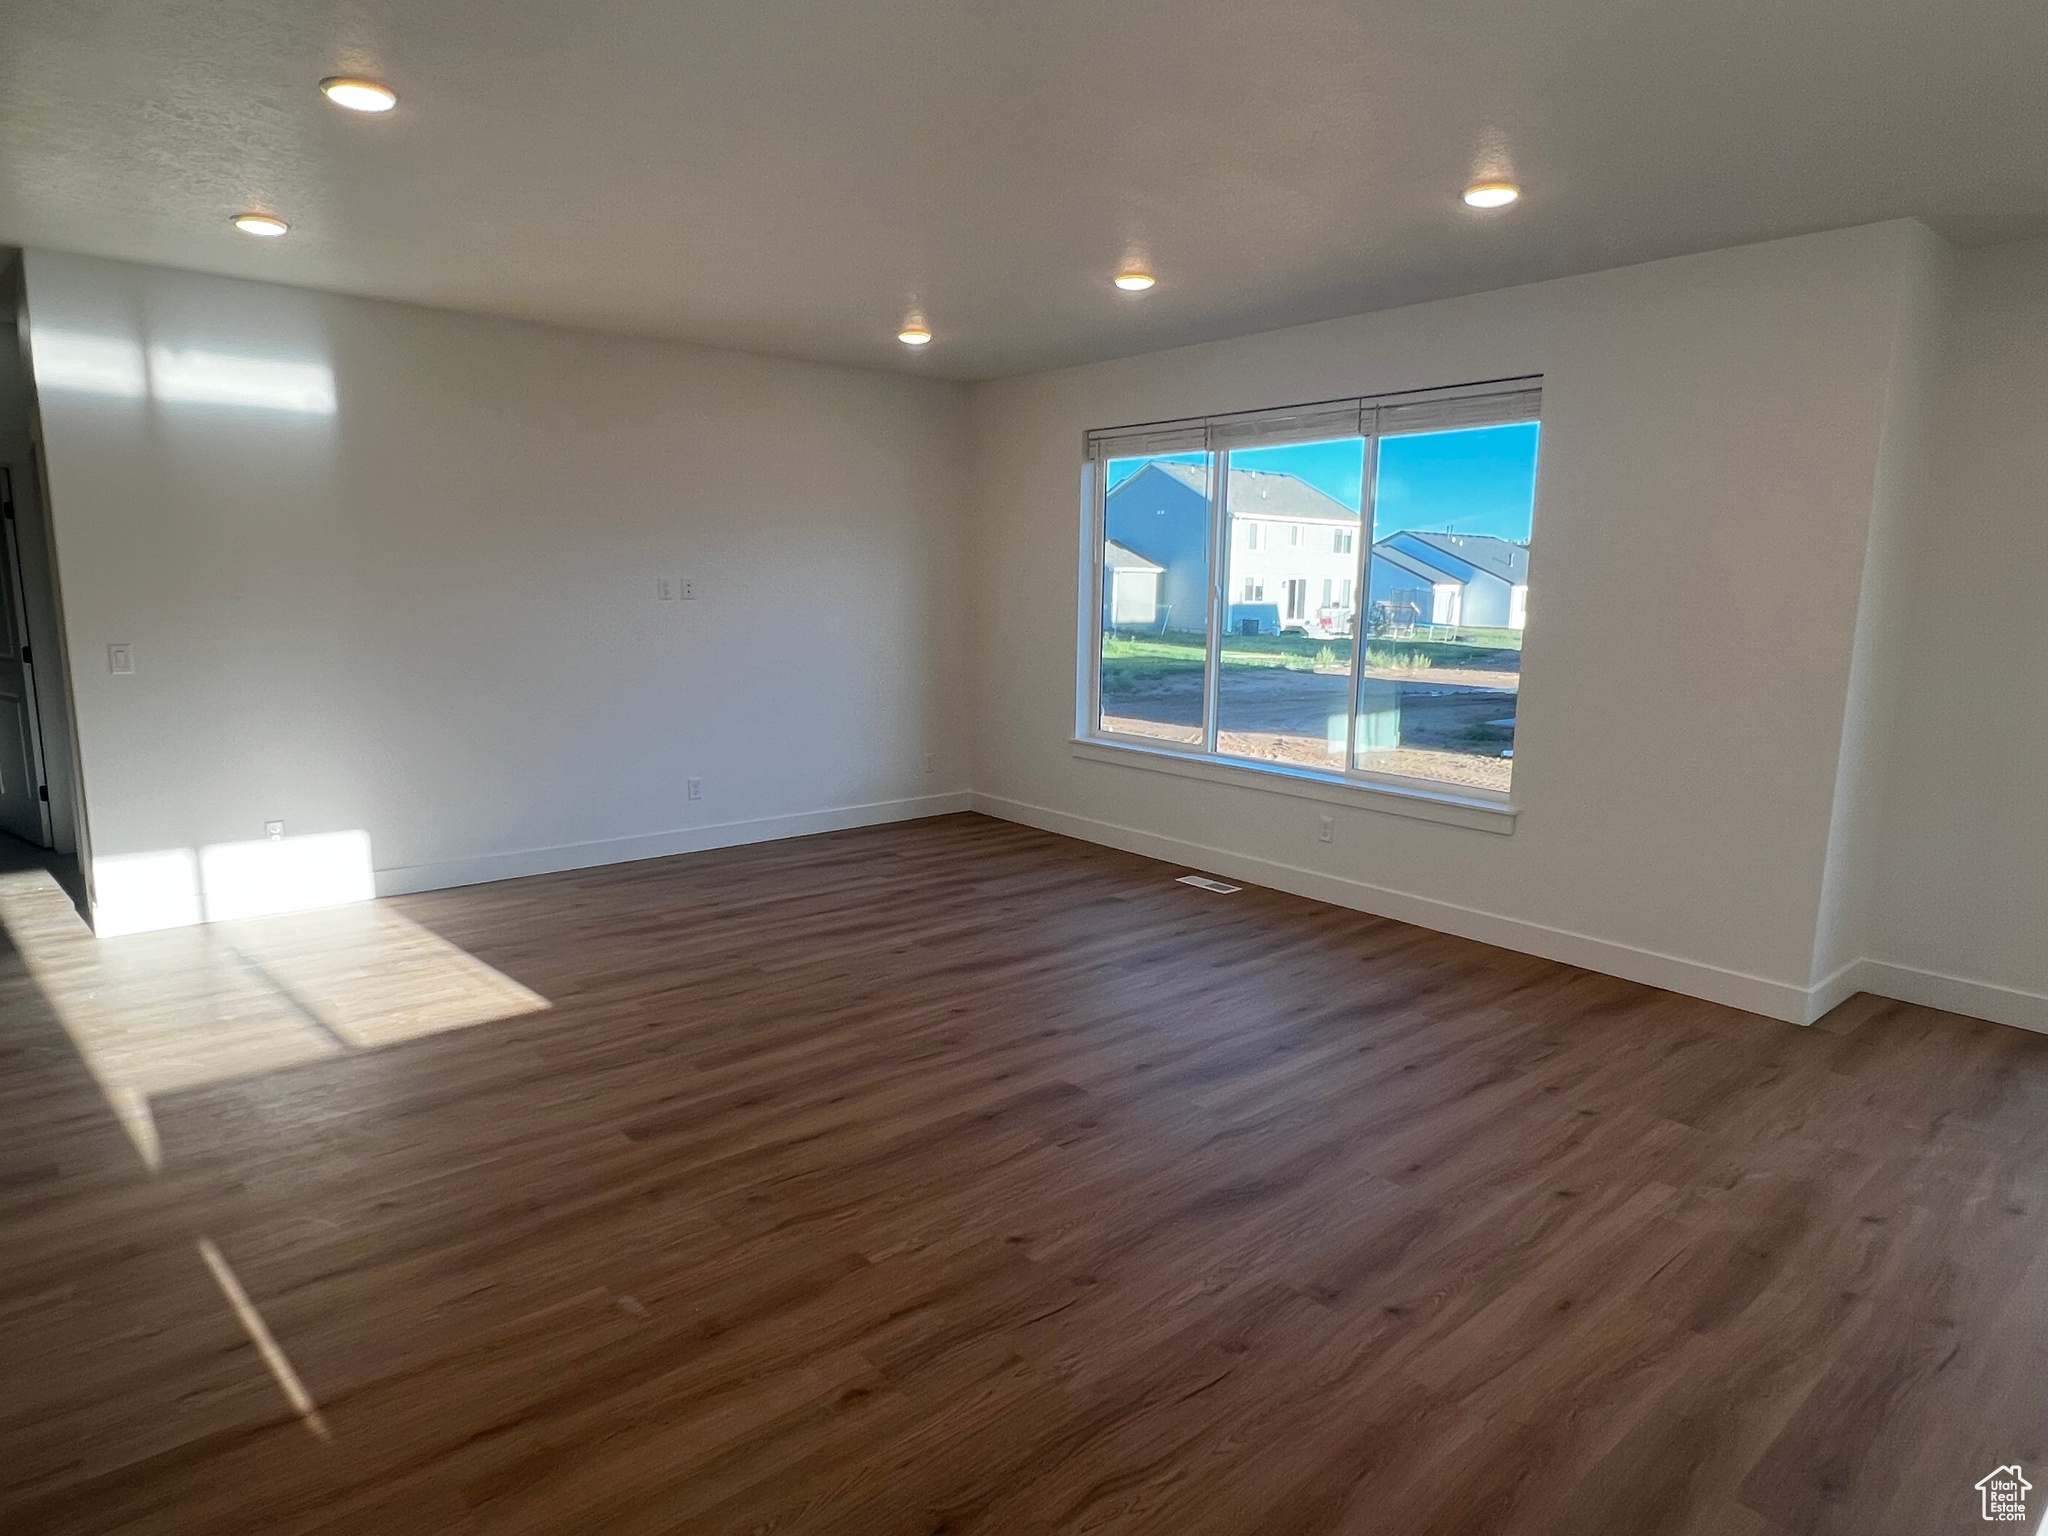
953 1177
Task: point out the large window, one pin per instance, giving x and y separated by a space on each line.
1243 619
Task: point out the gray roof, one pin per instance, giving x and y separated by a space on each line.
1266 493
1121 557
1396 556
1498 557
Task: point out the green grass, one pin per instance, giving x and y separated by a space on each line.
1134 659
1173 644
1492 639
1470 639
1299 653
1302 652
1127 662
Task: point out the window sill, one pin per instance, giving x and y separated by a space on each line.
1443 806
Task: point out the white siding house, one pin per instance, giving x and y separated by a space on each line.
1161 518
1291 558
1293 551
1453 579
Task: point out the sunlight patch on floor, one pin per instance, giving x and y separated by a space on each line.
154 1013
260 1335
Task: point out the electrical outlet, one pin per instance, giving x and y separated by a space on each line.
665 589
689 589
694 788
1326 829
931 762
274 830
121 658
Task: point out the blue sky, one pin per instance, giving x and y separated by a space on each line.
1478 480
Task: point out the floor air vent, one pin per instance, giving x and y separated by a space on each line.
1205 883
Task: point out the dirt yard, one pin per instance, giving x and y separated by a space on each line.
1452 719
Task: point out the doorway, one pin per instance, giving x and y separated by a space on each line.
24 782
1297 599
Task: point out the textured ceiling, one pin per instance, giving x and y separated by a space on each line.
792 178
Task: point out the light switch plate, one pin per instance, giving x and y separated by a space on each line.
121 658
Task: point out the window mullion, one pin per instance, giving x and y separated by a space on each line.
1098 555
1219 599
1367 493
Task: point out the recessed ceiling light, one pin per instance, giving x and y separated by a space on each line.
359 95
914 336
1491 194
1134 282
268 225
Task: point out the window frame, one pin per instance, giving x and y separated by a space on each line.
1518 398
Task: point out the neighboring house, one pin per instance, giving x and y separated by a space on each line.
1292 563
1164 521
1455 579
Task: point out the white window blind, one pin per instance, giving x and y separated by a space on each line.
1138 442
1470 405
1289 424
1456 411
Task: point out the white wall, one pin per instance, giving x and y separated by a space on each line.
1962 918
1899 499
1712 444
429 613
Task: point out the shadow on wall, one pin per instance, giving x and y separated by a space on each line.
155 1013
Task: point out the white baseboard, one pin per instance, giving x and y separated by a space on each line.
482 868
1674 973
1953 994
1831 991
1737 989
